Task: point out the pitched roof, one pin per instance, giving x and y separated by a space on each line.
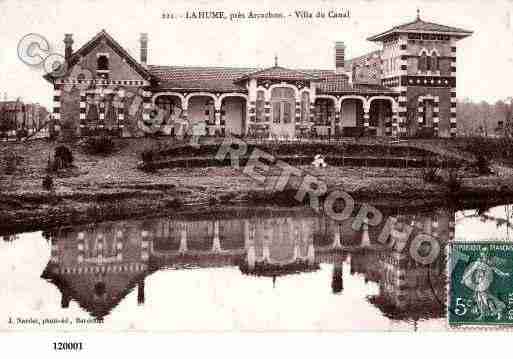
423 27
225 79
339 84
281 73
199 78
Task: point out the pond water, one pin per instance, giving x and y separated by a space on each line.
242 269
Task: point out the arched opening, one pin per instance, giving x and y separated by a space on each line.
170 108
324 119
351 117
201 116
380 116
233 115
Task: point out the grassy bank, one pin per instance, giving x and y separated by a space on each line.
111 187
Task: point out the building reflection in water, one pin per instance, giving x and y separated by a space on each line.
98 265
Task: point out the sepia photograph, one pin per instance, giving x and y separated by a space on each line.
255 167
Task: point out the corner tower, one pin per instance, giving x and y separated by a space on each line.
419 61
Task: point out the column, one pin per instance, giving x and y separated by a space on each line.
311 254
82 115
453 118
119 241
366 118
182 120
144 247
183 238
395 122
365 235
216 243
80 246
219 122
298 111
140 292
266 252
388 120
451 229
146 104
311 118
336 239
402 111
56 105
251 257
420 111
402 74
337 279
267 110
101 107
251 114
295 254
121 111
436 116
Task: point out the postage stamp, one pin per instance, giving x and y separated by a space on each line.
480 284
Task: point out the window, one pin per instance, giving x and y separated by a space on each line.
283 104
434 62
423 62
102 63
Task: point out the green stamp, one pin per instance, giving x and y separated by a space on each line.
480 284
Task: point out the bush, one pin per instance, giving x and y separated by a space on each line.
483 165
48 183
432 175
62 159
149 157
454 180
425 132
99 145
9 162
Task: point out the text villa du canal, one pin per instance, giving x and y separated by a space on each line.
237 15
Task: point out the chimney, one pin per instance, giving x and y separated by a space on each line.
68 46
144 48
340 50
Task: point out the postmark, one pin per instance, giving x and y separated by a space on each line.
480 284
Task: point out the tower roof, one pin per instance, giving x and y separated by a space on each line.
421 26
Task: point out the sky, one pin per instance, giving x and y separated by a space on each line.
484 64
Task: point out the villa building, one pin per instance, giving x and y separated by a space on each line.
407 88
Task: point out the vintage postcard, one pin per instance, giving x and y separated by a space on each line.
226 166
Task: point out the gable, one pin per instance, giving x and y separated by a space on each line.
122 65
119 66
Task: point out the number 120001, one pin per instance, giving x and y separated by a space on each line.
67 346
